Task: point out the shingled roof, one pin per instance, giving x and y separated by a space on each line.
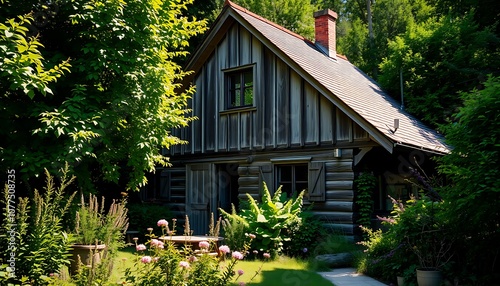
351 90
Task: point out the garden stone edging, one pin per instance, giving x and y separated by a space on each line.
336 260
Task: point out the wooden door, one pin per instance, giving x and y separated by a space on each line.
201 196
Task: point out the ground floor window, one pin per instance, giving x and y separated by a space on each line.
292 178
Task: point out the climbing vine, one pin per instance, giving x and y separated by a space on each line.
365 185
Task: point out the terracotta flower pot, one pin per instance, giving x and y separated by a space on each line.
89 255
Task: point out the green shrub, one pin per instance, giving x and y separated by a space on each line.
41 244
304 234
268 219
335 243
474 192
144 215
416 236
94 225
235 229
159 263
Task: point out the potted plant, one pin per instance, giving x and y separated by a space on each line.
95 230
427 237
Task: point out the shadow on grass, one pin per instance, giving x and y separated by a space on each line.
292 277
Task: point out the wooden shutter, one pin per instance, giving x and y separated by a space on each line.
316 182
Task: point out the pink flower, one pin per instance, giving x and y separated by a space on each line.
267 255
156 259
157 243
255 252
224 249
240 272
241 283
150 229
204 244
146 259
237 255
252 236
184 264
140 247
162 223
193 259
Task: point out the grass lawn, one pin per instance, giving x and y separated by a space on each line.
124 260
283 271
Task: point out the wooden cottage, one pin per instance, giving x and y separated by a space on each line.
273 106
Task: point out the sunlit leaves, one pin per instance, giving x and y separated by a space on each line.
438 59
21 62
295 15
116 108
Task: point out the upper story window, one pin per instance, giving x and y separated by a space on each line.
239 88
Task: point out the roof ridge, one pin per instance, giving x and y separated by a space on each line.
277 26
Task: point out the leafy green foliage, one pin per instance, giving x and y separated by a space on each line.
22 64
473 195
268 219
390 18
143 215
365 185
235 229
112 115
390 253
41 244
166 264
295 15
438 59
304 235
94 225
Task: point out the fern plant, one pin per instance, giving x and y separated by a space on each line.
268 218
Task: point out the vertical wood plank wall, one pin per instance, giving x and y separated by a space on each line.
287 110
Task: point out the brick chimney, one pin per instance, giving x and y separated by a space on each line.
324 22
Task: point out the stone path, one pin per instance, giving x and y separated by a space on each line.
349 277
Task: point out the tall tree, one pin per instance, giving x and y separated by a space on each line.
473 197
111 115
438 59
390 18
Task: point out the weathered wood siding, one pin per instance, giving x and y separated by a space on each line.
287 110
173 182
336 210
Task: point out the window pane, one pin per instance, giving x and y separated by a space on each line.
286 189
299 187
285 173
301 173
237 98
248 96
240 88
248 78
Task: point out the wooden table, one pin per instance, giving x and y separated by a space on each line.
192 240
